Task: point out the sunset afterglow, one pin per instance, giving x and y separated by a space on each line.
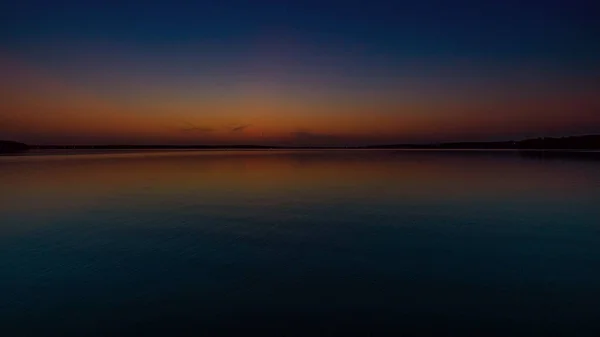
296 73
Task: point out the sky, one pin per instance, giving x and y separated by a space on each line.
297 72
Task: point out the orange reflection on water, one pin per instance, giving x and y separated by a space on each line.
82 181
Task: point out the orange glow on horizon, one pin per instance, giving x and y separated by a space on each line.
46 109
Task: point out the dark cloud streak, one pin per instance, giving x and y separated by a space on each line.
240 128
196 128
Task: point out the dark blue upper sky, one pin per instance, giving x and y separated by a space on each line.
553 31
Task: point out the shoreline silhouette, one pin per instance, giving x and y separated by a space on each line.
7 146
587 142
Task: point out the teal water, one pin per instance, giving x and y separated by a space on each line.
310 243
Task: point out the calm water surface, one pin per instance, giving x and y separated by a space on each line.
313 243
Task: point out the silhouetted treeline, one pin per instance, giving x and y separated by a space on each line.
564 143
458 145
151 147
10 146
589 142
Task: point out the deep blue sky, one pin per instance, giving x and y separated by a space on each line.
554 31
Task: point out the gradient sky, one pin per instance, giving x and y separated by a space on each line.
297 72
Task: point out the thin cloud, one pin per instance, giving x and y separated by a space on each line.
195 128
240 128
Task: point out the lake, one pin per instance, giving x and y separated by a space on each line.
306 243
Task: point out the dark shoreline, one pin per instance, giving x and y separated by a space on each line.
573 143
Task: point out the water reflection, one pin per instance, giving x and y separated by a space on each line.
284 242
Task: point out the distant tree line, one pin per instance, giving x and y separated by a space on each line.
590 142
